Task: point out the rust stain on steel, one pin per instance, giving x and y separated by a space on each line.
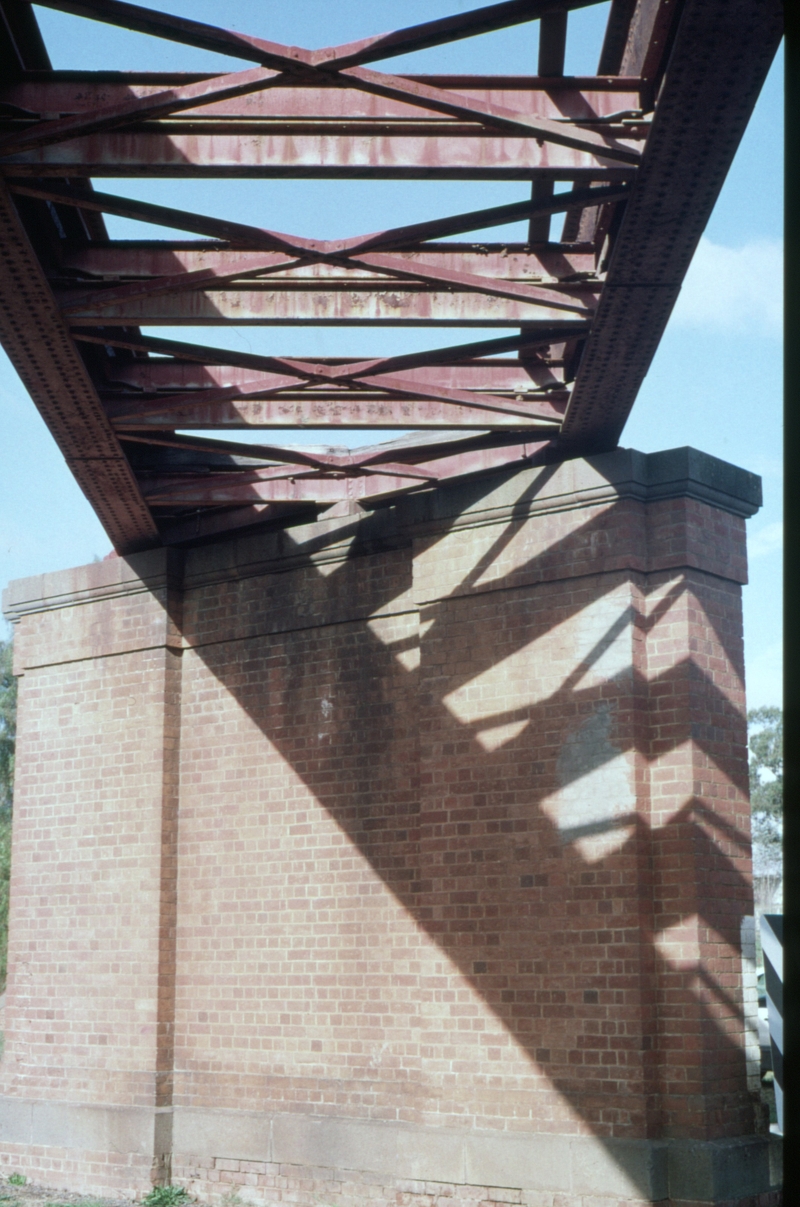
382 305
344 411
662 225
171 151
163 259
38 344
580 102
642 148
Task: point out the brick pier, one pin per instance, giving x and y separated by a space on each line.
398 858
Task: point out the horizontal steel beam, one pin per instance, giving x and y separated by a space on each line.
222 396
596 304
342 412
366 272
608 139
172 452
165 493
262 486
511 376
393 304
238 152
386 373
586 100
199 525
139 260
326 371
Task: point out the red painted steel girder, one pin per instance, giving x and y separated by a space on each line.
643 148
38 344
301 483
344 411
592 99
386 373
720 56
170 394
384 304
175 152
141 261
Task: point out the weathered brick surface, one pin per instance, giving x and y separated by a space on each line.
80 1170
83 971
258 1182
434 818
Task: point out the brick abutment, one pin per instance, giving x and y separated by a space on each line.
396 858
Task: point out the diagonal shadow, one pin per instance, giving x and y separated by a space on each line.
561 942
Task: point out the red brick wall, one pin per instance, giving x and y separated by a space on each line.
436 823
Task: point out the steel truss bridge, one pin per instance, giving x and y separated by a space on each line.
642 149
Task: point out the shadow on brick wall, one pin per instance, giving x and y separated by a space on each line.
510 834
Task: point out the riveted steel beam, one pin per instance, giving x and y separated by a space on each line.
39 346
643 146
720 56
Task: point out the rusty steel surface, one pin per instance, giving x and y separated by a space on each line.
640 150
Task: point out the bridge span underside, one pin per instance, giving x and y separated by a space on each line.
381 821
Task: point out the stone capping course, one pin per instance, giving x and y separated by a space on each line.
491 498
113 578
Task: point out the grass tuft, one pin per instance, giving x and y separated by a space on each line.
166 1196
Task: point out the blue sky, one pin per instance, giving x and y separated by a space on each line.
715 382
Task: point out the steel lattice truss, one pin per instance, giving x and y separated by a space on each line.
644 147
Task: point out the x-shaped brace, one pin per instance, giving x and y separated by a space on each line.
333 66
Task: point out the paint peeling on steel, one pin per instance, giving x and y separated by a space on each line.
172 152
330 104
398 305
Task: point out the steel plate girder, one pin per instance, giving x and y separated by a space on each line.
260 486
38 344
198 380
326 66
242 154
323 114
347 410
720 58
196 403
119 261
386 304
372 273
511 376
78 93
213 522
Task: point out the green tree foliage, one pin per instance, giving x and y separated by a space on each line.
765 728
8 724
8 730
765 738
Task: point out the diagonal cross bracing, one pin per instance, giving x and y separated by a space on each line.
639 151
